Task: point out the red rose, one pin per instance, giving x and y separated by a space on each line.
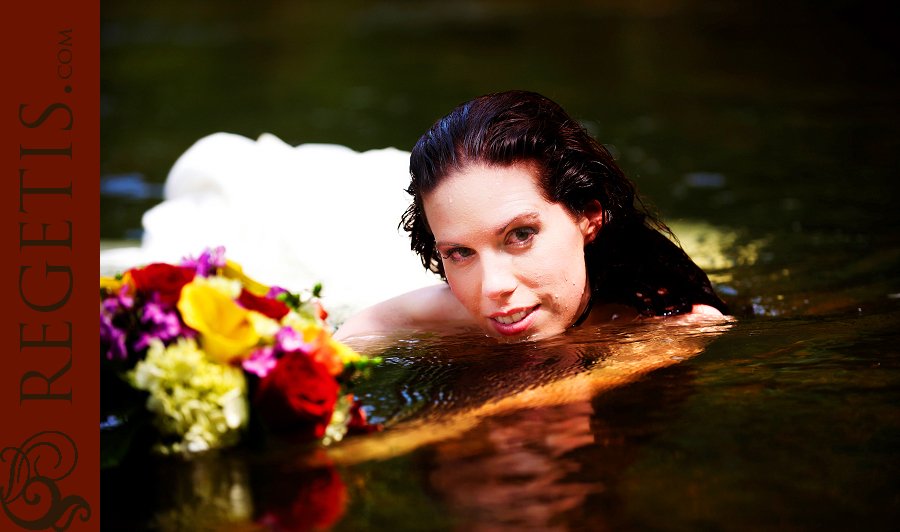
268 307
297 397
314 500
164 279
358 423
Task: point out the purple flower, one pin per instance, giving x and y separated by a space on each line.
110 334
208 261
260 362
111 305
158 323
125 300
113 337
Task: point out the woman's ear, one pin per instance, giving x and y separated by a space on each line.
591 220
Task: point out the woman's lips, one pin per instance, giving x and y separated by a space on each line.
511 324
512 318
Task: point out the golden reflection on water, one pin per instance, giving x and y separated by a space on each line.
515 471
529 436
506 437
481 379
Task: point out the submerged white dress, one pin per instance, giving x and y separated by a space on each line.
291 216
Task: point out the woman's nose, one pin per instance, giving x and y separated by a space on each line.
498 279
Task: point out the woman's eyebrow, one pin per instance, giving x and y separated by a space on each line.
527 216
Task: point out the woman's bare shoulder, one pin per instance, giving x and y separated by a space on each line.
429 305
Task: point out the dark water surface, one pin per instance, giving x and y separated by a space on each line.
776 122
787 423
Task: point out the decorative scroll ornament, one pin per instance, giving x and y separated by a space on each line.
34 469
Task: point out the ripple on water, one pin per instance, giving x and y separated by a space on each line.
440 375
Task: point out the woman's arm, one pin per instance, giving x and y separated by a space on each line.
705 312
436 306
431 305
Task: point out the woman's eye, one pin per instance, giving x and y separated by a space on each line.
457 254
520 236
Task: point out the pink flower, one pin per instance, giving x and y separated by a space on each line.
288 340
260 362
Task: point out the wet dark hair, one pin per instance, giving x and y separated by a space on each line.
630 261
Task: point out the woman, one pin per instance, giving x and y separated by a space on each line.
534 229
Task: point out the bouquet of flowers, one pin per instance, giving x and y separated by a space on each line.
206 342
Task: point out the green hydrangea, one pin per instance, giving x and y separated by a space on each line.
202 402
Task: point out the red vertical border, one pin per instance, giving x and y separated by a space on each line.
49 237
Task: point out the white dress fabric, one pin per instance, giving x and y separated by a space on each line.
291 216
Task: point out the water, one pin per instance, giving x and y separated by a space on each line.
775 124
775 423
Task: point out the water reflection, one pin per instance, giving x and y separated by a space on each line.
208 490
517 471
789 420
504 437
462 380
297 498
554 468
288 490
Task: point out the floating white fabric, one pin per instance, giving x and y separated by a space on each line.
291 216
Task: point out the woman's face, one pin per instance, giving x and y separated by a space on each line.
514 260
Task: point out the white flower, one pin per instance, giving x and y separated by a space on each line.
264 326
201 401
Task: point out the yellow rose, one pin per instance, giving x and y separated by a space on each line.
226 331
